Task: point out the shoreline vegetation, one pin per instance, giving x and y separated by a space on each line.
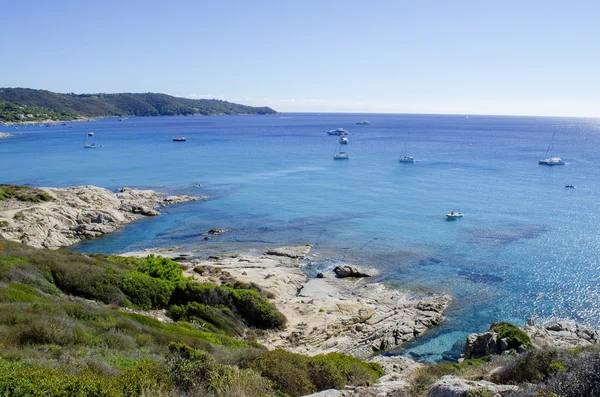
24 105
172 322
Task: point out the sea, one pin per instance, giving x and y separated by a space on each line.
527 246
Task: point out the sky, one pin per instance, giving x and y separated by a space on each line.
462 56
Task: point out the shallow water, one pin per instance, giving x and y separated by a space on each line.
526 247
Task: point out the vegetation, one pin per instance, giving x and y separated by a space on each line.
23 104
65 330
23 193
515 335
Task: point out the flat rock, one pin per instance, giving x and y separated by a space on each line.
290 252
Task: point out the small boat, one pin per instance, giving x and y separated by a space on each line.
344 140
454 215
363 122
87 145
552 160
341 156
338 131
405 158
179 139
338 155
570 186
90 133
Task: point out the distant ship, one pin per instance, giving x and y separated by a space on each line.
179 139
363 122
338 131
405 158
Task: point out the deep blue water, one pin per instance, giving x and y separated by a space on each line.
526 247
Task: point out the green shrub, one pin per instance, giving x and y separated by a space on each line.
532 366
218 319
145 291
247 304
87 280
154 266
197 372
516 336
298 375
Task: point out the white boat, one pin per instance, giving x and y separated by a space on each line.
338 155
338 131
552 160
87 145
90 133
405 158
454 215
363 122
179 139
343 140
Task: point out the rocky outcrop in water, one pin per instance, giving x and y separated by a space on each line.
349 271
77 213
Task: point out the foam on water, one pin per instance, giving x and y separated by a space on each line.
526 247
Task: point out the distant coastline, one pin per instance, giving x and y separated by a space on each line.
24 105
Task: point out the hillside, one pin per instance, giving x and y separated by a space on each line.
24 104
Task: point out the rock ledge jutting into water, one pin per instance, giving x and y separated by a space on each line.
77 213
325 314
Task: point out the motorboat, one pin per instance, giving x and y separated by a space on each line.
179 139
338 131
344 140
90 133
363 122
454 215
570 186
341 156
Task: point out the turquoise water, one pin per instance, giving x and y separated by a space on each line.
526 247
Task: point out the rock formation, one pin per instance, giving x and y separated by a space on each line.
77 213
328 314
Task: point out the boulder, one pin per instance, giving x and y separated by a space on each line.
452 386
348 271
481 345
216 231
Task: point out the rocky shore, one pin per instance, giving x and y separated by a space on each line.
73 214
325 314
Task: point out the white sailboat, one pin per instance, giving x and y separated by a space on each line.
86 144
338 155
405 158
552 160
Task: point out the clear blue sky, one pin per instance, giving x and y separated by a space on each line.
474 57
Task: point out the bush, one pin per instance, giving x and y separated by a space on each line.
154 266
219 319
145 291
516 336
17 292
532 366
298 375
247 304
196 373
